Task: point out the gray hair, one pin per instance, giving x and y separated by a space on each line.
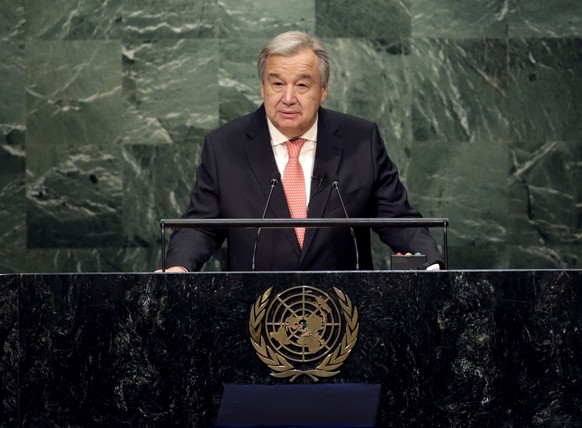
289 44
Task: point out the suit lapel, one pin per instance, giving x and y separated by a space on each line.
327 159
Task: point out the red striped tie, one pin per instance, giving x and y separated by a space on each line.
294 185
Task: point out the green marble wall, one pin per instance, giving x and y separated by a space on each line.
104 105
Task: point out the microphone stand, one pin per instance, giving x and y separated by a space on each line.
274 182
335 185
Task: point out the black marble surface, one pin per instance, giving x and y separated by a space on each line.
451 349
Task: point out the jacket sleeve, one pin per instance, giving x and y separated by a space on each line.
392 202
191 248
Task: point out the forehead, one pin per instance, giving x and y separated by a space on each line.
302 64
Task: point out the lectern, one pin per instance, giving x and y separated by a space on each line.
133 350
301 327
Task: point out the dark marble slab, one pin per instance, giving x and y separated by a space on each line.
74 20
539 18
123 92
182 19
460 19
170 89
545 96
73 92
457 348
12 207
12 21
373 19
468 181
362 67
535 222
12 87
9 351
12 146
238 80
459 90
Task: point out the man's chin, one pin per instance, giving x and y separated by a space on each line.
289 129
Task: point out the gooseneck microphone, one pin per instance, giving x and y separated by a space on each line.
275 178
319 180
335 185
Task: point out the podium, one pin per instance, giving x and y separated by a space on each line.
496 348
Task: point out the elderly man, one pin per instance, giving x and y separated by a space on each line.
310 148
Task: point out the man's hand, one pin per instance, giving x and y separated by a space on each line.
436 266
173 269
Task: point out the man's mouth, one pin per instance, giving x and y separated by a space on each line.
288 113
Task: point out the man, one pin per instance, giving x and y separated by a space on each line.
311 148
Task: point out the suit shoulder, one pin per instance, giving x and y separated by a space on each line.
233 127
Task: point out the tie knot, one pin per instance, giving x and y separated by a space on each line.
294 147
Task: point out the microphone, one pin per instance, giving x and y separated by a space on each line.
321 180
275 178
335 185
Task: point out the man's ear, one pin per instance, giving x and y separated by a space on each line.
323 94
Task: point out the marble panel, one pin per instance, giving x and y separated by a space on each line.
151 20
171 92
263 19
73 19
546 208
75 197
12 92
153 191
545 94
368 79
459 19
78 77
89 260
466 183
493 348
73 93
73 260
373 19
459 90
239 82
12 208
9 351
540 18
138 324
12 156
12 20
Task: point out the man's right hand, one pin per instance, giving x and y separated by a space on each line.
173 269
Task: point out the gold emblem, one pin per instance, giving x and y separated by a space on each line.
303 327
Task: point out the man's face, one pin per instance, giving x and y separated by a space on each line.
292 92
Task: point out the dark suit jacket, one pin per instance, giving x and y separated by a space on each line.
234 179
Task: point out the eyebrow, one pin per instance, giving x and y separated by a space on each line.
301 76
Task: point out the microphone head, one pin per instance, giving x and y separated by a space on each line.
275 178
334 181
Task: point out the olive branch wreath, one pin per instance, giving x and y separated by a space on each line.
279 364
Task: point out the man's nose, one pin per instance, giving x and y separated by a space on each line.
289 95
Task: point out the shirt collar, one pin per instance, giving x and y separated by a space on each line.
277 137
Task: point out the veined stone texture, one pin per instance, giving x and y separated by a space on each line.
105 105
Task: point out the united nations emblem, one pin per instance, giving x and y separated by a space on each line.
302 331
